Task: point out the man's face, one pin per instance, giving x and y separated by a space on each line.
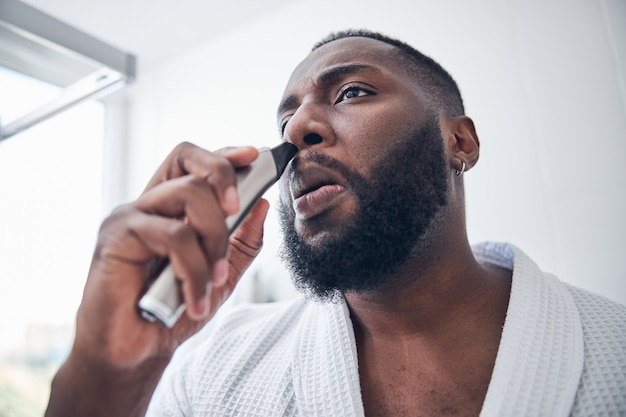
371 173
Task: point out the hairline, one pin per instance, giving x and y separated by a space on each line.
430 76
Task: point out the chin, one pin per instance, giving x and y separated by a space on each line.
325 227
317 235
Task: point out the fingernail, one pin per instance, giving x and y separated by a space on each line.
220 272
231 199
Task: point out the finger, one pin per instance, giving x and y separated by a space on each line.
245 245
202 225
217 168
176 240
145 236
191 198
239 156
247 241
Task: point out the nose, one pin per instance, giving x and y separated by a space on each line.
309 127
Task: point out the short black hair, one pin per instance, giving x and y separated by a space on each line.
432 78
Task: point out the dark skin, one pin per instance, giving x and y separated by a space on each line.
426 343
117 357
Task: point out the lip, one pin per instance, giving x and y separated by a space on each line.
317 201
313 189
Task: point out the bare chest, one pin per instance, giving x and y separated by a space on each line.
397 386
409 390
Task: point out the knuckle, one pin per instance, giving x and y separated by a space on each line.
115 224
194 186
183 146
195 182
221 169
179 232
118 213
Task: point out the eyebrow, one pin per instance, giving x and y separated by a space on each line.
327 77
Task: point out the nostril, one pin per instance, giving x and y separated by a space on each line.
313 139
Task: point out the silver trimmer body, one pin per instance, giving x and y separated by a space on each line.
163 301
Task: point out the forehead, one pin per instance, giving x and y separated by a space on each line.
347 51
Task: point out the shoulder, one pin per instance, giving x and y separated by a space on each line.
600 317
602 386
580 322
596 305
602 321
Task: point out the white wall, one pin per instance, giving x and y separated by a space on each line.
544 81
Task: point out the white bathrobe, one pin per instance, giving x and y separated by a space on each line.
562 353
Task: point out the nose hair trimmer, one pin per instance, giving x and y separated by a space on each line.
163 301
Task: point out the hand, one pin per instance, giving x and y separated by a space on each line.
180 216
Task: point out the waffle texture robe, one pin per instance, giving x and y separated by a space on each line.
562 353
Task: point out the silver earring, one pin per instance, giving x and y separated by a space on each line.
457 172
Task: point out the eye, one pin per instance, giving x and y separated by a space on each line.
283 125
352 91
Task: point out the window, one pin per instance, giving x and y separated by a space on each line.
50 211
37 45
51 160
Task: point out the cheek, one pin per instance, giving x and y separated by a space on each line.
367 136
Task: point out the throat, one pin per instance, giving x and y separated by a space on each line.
411 377
435 355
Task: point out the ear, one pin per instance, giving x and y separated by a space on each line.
462 141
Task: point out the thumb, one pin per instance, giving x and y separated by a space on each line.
246 242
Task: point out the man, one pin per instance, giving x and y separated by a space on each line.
401 317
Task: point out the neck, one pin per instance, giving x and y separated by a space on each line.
441 288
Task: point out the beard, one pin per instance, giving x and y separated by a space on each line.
397 206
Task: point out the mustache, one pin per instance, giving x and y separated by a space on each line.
323 160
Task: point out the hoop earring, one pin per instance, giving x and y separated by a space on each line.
457 172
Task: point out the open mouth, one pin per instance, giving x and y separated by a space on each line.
313 189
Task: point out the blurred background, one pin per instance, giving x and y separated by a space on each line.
543 80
